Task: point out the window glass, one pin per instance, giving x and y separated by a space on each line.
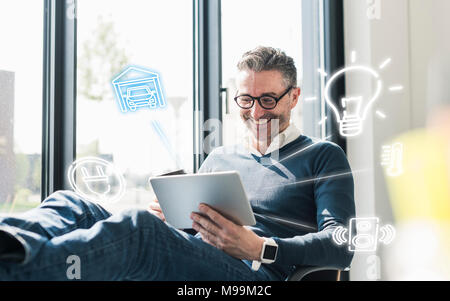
247 24
144 129
21 58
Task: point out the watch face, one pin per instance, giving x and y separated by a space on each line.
270 252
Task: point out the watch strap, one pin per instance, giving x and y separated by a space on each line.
256 265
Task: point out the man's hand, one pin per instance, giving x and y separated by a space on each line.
237 241
155 209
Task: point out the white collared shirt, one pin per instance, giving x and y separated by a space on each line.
287 136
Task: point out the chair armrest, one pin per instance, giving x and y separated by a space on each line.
301 272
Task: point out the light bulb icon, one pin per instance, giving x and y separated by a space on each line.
355 108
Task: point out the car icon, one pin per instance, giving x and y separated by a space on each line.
141 96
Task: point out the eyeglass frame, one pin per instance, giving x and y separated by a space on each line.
277 99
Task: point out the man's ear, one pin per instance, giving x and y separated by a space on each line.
295 96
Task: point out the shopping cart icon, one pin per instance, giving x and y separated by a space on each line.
136 87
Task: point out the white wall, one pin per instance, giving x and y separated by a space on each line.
410 32
429 39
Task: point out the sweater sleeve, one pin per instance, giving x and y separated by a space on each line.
334 200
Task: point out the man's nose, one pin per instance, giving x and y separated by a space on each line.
257 111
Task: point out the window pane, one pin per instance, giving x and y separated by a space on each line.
148 139
261 23
21 55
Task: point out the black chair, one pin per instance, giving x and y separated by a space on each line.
306 272
309 272
316 274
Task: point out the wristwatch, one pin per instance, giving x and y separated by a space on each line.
268 253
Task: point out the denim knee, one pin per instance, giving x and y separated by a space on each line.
142 219
65 196
75 202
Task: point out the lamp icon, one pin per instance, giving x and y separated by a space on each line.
356 107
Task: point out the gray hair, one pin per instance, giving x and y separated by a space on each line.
266 59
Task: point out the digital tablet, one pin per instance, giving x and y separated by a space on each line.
179 195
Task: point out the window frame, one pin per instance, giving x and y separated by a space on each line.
59 94
59 78
313 44
334 60
207 72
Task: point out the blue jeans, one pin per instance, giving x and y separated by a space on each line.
133 245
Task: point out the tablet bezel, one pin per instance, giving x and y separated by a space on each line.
179 195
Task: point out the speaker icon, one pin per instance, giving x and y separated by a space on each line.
363 234
387 234
339 235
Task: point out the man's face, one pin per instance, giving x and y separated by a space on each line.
257 119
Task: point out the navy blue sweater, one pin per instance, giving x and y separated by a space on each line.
310 184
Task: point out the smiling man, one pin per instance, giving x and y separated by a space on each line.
298 200
308 187
262 113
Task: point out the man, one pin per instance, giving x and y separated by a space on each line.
302 185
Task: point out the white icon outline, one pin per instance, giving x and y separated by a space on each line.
363 234
351 124
392 159
388 234
363 224
339 235
100 166
100 177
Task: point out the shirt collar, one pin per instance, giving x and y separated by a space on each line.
287 136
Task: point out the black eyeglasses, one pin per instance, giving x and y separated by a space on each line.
266 101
